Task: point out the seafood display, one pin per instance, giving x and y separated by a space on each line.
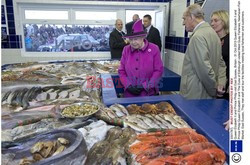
94 132
176 146
119 111
142 118
73 72
38 98
59 146
111 150
43 150
44 125
30 116
80 110
142 123
162 107
23 98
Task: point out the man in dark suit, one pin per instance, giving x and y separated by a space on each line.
116 42
153 33
130 24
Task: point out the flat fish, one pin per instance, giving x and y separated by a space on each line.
95 154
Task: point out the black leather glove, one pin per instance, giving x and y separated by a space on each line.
140 88
134 90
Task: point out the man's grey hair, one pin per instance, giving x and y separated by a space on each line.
195 10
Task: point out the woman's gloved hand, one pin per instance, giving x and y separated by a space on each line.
136 90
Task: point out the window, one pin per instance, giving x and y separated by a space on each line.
47 15
67 26
71 30
66 38
87 15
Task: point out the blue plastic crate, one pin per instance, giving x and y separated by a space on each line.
205 116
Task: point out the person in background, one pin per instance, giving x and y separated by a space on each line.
153 35
28 43
141 67
204 70
116 42
130 24
220 23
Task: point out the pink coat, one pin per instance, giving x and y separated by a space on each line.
141 67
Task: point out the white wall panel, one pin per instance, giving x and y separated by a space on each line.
174 61
177 9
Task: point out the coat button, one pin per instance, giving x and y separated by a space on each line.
136 68
137 59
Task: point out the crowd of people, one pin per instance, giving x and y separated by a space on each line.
37 35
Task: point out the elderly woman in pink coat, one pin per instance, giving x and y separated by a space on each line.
141 67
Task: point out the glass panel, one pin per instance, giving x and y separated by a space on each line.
48 15
63 38
89 15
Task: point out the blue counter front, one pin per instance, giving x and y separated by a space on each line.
206 116
170 81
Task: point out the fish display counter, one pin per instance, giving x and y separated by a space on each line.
205 116
38 98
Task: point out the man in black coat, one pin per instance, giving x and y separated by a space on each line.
116 42
153 33
130 24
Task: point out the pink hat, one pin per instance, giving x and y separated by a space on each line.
137 30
